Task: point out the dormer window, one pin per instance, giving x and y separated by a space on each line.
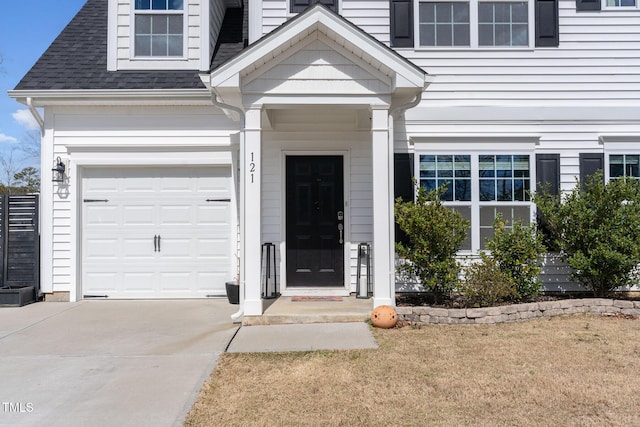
159 28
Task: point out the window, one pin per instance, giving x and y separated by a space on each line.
620 3
503 24
475 23
159 28
480 187
444 24
624 166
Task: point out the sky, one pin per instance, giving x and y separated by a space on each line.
27 28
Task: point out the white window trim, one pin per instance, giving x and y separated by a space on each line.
605 7
475 203
185 35
618 145
473 26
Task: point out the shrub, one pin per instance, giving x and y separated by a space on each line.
597 228
517 252
486 283
434 235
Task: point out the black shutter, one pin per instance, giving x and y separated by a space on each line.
547 27
401 13
403 184
300 5
590 163
548 172
588 4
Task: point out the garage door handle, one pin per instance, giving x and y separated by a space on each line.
218 200
155 243
159 238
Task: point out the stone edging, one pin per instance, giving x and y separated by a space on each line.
517 312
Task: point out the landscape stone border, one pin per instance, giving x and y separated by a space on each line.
516 312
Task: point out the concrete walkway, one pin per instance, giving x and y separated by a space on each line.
132 363
108 363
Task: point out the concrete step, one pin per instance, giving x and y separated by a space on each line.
292 310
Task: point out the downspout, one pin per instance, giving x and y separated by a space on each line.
392 253
36 115
214 98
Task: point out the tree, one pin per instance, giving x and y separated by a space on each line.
597 228
28 179
434 236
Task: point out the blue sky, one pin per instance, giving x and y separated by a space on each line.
27 28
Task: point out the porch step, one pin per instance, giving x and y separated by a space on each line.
288 310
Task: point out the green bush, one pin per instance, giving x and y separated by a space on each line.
517 252
486 284
597 229
434 236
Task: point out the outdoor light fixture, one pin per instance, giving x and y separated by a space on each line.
59 171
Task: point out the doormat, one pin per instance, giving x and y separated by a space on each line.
311 298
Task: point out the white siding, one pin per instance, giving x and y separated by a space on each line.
122 135
597 63
357 148
194 46
317 68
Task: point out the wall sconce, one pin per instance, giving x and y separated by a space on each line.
59 171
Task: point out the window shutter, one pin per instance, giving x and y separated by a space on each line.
590 163
548 172
402 184
401 13
300 5
547 28
588 4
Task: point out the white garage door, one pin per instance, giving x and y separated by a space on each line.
156 232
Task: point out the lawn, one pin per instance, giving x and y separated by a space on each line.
578 370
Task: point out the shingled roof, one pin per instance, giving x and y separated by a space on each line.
77 59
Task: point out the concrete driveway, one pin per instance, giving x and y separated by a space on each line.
108 363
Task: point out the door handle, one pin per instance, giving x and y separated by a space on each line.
155 243
340 229
159 238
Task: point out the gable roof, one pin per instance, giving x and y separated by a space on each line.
77 59
319 17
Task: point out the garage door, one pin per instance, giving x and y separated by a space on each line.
156 232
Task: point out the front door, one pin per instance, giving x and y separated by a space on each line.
315 220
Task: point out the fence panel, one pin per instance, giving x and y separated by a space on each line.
20 239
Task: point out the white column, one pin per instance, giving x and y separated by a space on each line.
251 168
382 220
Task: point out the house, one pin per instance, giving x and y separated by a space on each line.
192 132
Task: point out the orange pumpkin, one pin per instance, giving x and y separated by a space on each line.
384 316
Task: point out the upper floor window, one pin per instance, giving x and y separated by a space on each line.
159 28
475 23
300 5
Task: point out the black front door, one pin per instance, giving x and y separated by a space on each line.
315 221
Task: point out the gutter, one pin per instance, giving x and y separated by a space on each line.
36 115
391 178
235 317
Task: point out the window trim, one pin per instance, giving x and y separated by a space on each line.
475 203
185 27
605 7
474 26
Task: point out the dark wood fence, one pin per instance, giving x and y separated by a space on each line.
19 242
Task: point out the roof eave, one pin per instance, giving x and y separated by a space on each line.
106 96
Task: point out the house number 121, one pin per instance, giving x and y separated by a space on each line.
252 168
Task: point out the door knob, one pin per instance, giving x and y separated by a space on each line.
340 229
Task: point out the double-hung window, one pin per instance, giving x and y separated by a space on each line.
624 166
159 28
475 23
480 187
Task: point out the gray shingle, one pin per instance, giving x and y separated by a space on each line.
77 59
